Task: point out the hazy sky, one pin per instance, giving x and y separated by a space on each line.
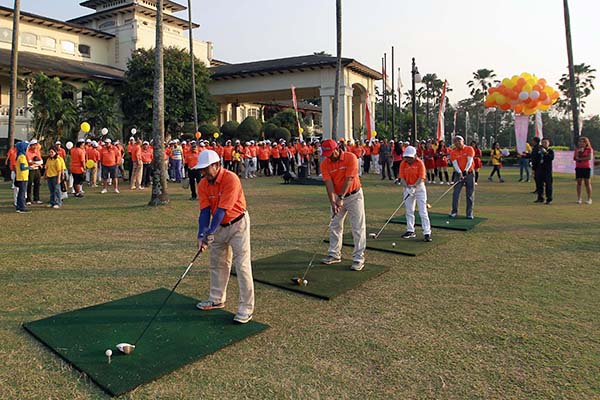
449 38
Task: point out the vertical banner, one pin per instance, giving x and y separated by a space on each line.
440 122
295 102
521 128
539 126
368 120
454 126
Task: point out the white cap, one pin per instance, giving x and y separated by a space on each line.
206 158
458 137
88 141
58 142
410 152
145 142
107 140
33 141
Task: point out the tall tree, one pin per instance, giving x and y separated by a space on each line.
584 86
159 180
99 107
14 67
338 68
481 82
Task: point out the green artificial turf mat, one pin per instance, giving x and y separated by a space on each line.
390 235
181 334
324 281
443 221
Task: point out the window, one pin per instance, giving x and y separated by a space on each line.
107 24
67 47
29 39
5 35
48 42
85 50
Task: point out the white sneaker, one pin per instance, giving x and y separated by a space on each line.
206 305
103 191
330 260
357 265
589 201
117 191
242 318
579 201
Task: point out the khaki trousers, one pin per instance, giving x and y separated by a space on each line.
354 206
232 244
136 175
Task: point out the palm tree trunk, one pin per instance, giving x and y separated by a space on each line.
338 69
159 180
193 59
573 92
14 66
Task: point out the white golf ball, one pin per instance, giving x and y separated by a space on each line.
108 353
447 222
305 282
394 244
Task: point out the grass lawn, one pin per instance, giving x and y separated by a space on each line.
509 310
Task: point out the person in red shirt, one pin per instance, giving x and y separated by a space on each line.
340 174
584 163
224 227
462 161
130 145
191 159
34 158
77 166
412 178
147 157
110 157
11 162
441 162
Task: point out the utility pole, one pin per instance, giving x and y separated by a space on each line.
14 67
393 100
572 89
193 59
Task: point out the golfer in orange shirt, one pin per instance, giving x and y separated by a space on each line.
340 174
462 161
412 178
224 227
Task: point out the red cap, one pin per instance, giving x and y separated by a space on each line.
327 147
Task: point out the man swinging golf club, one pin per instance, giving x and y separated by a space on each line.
462 161
224 227
340 174
412 177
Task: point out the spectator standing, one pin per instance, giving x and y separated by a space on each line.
584 162
55 167
543 173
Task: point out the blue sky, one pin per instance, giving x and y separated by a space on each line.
449 38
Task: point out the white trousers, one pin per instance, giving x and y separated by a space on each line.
232 244
375 163
419 198
354 206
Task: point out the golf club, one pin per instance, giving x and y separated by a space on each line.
302 281
443 194
127 348
376 235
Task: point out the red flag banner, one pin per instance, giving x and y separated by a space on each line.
440 122
294 100
368 120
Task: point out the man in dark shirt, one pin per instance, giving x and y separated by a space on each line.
543 171
536 156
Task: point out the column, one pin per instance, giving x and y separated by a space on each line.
326 112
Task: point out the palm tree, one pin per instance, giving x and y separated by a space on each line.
159 179
14 66
99 107
572 83
338 68
584 86
481 82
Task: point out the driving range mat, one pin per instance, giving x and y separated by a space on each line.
390 241
443 221
324 281
181 334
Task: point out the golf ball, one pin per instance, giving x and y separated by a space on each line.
394 244
108 353
305 282
447 222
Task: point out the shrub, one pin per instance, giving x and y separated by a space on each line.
229 130
282 133
249 129
207 131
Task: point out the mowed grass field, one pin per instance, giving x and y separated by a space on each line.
509 310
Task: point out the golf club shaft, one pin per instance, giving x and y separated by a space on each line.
316 251
167 298
392 216
445 193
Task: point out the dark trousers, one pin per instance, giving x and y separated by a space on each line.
469 183
396 168
367 164
194 176
34 184
264 167
22 189
543 182
147 175
385 166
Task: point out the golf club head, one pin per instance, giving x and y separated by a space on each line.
299 281
428 205
373 235
126 348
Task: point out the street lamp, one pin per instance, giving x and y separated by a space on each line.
416 78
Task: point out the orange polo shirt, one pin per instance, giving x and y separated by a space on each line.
147 154
78 157
12 158
135 152
460 155
412 172
191 158
109 156
338 171
226 193
263 153
275 152
227 153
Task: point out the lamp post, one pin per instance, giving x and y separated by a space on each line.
416 78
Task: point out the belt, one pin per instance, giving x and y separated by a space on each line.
351 193
233 221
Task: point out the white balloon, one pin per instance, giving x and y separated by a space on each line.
133 131
104 131
523 95
534 95
69 145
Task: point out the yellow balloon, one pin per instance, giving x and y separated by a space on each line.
85 127
301 130
216 135
374 133
526 75
528 88
501 100
90 164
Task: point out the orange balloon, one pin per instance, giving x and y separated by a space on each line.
522 82
518 109
198 135
505 107
543 96
542 82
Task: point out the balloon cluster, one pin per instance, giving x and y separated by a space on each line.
524 94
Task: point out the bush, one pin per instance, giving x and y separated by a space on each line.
269 130
207 131
287 119
229 130
282 133
249 129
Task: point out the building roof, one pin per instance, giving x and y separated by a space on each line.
290 64
167 4
7 12
126 8
55 66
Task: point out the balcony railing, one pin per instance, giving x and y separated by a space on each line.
22 112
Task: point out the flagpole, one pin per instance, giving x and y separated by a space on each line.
393 101
385 110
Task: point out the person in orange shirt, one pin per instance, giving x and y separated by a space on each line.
34 158
228 155
191 159
224 227
109 157
11 162
136 173
147 155
340 174
77 166
93 154
130 146
367 157
263 158
462 161
412 178
375 155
